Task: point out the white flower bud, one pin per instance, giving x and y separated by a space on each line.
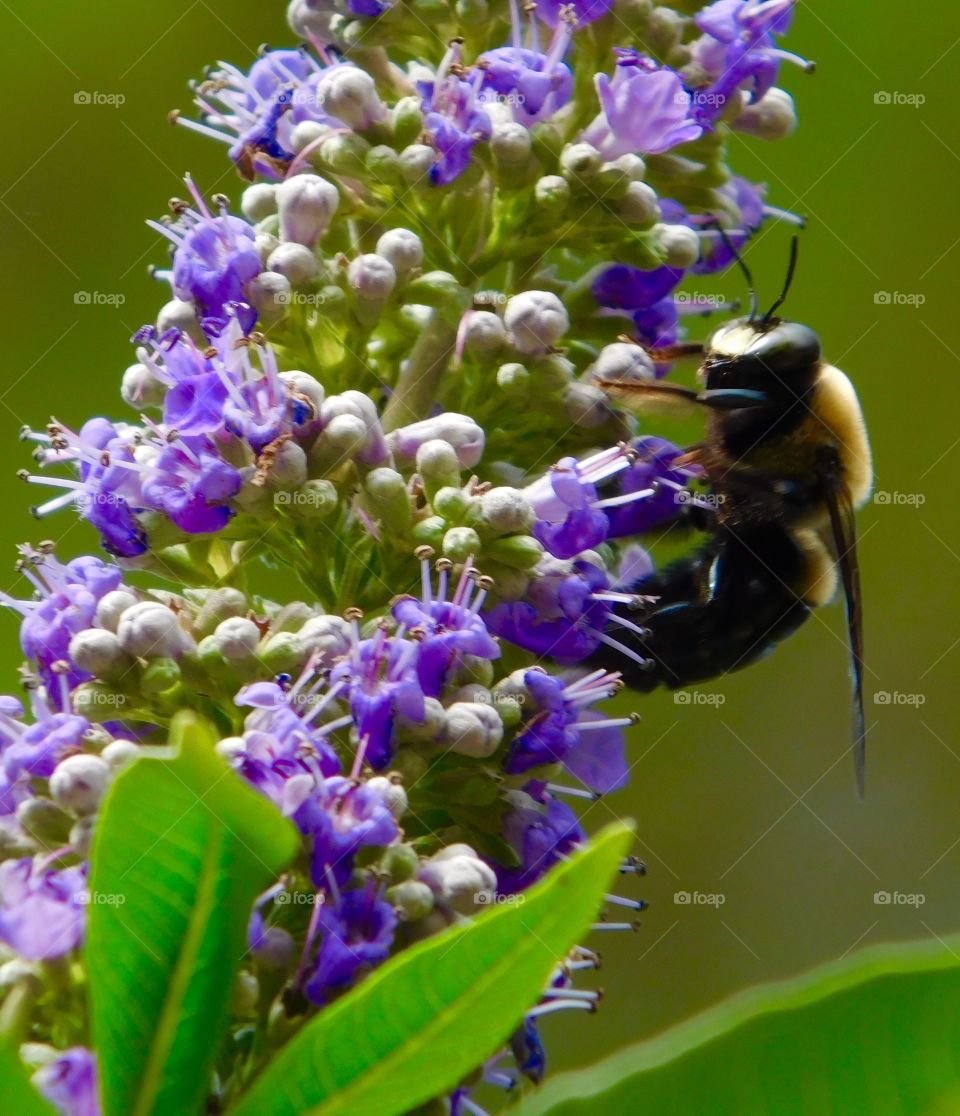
295 261
259 201
237 638
412 899
633 166
434 717
328 637
639 205
344 435
178 314
372 276
302 383
230 747
460 431
269 294
403 249
580 161
310 21
288 467
78 782
680 243
393 795
586 405
473 729
141 388
97 650
151 630
623 361
773 117
506 510
118 753
483 331
416 161
111 607
265 244
437 462
510 143
307 132
81 835
536 319
460 882
306 204
350 94
552 192
461 543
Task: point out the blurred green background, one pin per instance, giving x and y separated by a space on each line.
750 798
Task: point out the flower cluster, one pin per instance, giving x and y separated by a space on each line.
376 379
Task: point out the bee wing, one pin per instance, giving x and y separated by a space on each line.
648 397
844 532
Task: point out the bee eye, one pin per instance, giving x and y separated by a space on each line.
786 349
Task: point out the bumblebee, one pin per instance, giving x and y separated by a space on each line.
787 461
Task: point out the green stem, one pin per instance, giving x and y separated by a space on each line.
418 382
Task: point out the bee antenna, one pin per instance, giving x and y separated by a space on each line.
741 263
791 268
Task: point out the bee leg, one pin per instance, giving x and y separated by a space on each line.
694 633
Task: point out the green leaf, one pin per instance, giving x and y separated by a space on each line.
877 1033
16 1093
182 848
423 1021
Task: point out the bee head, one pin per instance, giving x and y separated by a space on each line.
777 358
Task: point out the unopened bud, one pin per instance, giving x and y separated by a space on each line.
389 499
680 244
639 205
510 143
552 194
402 248
259 201
151 630
295 262
415 163
306 204
182 315
537 320
350 94
623 361
773 117
237 638
98 651
506 510
412 899
483 331
520 552
372 277
580 162
438 466
44 822
141 388
269 294
392 792
161 675
119 753
473 729
78 783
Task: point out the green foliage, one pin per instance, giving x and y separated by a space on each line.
182 848
419 1024
877 1033
16 1093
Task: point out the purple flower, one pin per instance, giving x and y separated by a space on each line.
564 730
214 255
65 602
645 110
383 683
255 113
646 295
69 1083
357 935
542 831
42 911
737 50
281 741
342 815
658 489
565 614
445 630
34 751
534 84
552 12
189 482
452 121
